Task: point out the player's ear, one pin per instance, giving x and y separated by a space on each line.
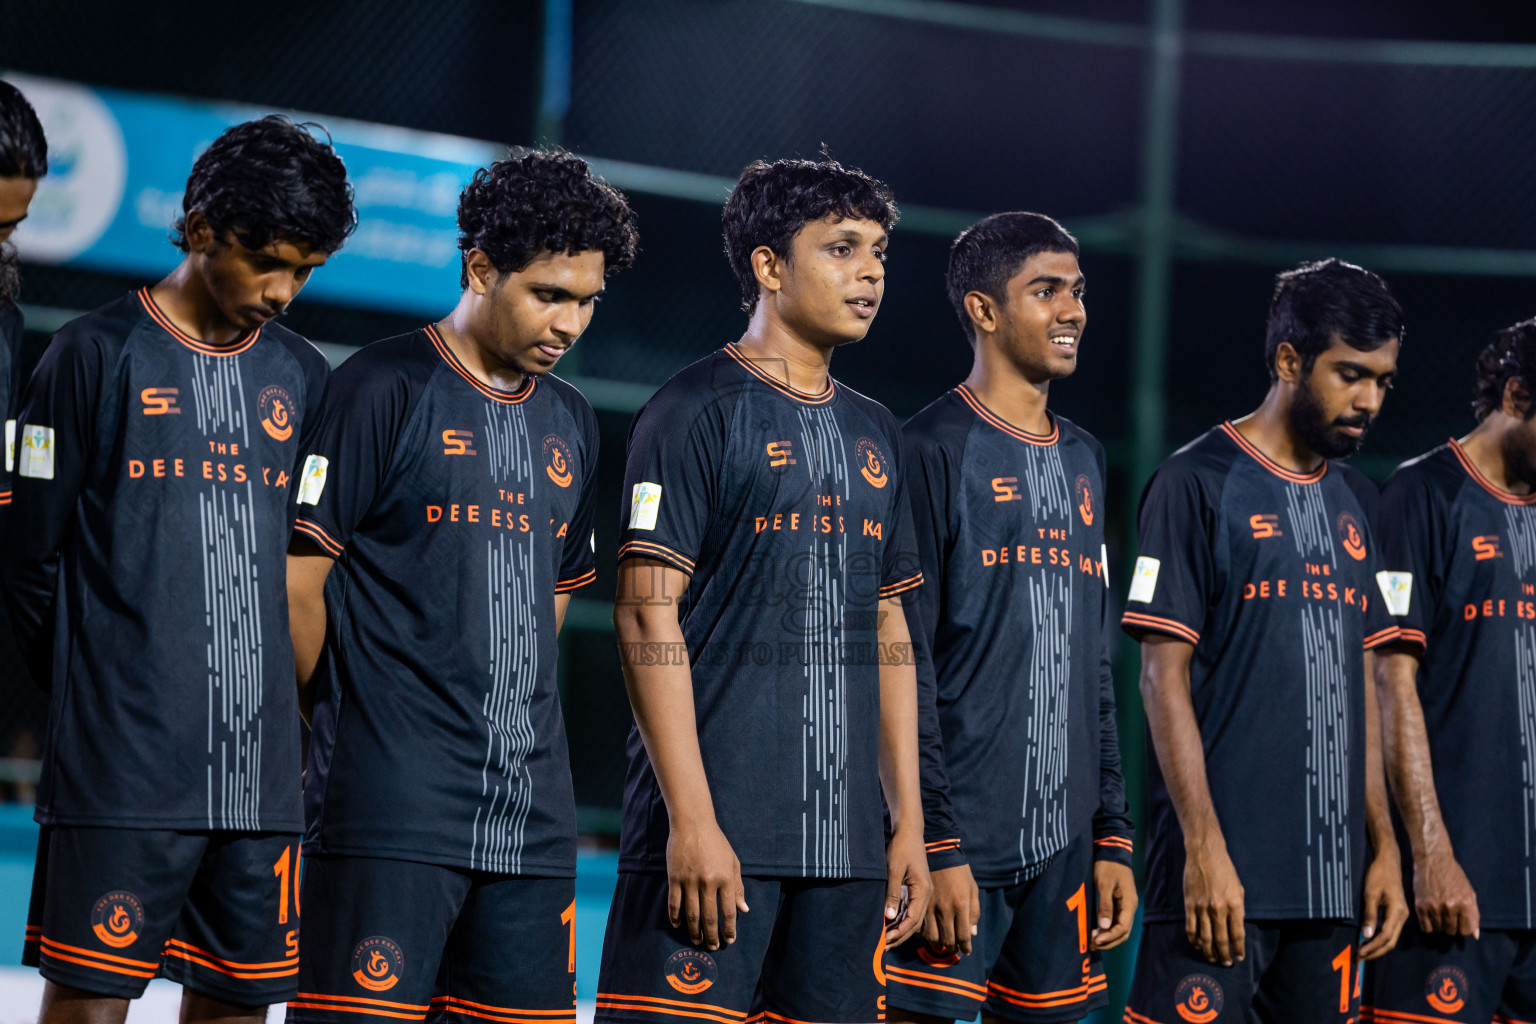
479 271
768 268
1517 400
199 232
982 310
1288 363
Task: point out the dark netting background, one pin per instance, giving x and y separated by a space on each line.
1312 153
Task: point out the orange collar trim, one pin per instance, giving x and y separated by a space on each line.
1269 463
158 316
495 394
799 396
1486 484
1042 440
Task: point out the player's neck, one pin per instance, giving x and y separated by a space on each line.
458 332
183 297
1000 387
1485 447
784 354
1268 428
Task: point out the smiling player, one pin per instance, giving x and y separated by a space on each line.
1008 500
156 447
1255 600
768 540
448 499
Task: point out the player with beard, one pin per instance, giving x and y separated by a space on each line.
769 539
1029 803
143 569
448 500
1458 690
1270 850
23 161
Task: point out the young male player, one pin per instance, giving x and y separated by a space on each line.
1458 532
23 161
1008 502
451 487
155 454
1256 605
764 644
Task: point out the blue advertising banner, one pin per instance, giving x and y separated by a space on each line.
118 162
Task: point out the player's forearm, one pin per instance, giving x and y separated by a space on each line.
306 620
1176 738
660 684
1378 816
1405 751
898 719
562 602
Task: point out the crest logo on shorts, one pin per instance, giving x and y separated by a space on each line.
559 458
871 463
117 918
1198 999
276 411
377 963
1085 499
1444 989
690 971
933 959
1352 536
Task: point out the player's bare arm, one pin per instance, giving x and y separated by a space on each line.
906 860
1444 900
308 568
1385 908
704 890
1213 895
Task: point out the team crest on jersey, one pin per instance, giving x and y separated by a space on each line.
933 959
276 411
1198 999
1085 499
377 963
871 463
557 458
690 971
1445 989
117 918
1352 536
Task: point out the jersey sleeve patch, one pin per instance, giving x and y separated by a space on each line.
1396 590
644 505
10 445
1144 579
312 483
37 452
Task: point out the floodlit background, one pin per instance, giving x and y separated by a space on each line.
1195 147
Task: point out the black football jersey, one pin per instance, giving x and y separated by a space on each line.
456 512
1271 575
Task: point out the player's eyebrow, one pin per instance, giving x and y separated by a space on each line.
1054 281
559 293
855 235
1363 370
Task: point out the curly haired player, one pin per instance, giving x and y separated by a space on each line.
444 518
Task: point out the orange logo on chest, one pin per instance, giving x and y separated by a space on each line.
276 411
160 401
1085 499
871 463
559 458
1352 536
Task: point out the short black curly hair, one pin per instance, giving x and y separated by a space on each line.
1512 354
987 255
538 201
271 179
23 147
773 201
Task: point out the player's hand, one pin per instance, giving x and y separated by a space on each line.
1116 886
952 913
908 889
704 890
1384 904
1443 899
1213 902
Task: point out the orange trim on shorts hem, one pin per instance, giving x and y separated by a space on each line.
158 316
1403 1017
1078 993
1499 1018
202 961
100 966
795 393
315 532
1140 620
507 1009
1132 1017
738 1014
357 1009
1039 440
495 394
423 1007
46 941
1269 463
648 549
503 1016
677 1011
770 1015
959 986
288 962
